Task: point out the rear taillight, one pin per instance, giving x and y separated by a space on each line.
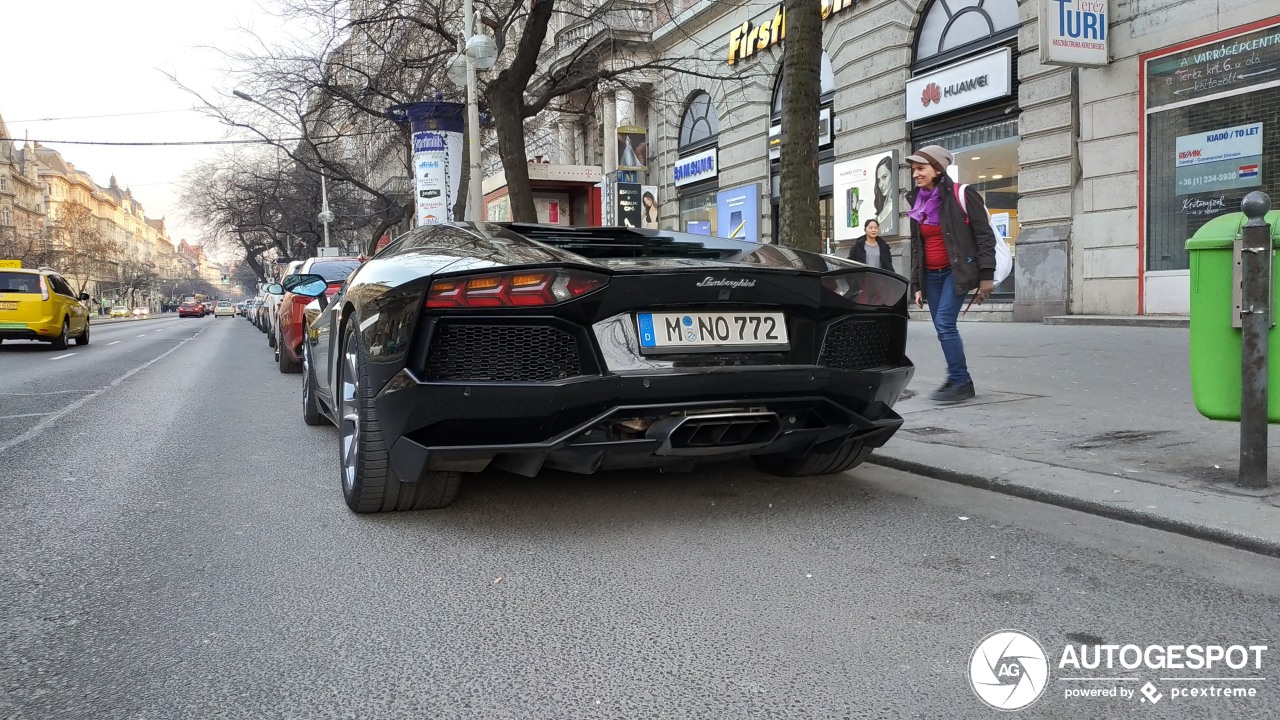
44 288
867 288
517 289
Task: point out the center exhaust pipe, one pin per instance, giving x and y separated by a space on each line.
715 433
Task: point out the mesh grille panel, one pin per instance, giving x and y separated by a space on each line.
858 345
526 353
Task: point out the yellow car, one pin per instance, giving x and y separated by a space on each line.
40 305
120 311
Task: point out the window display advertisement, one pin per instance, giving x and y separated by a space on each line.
866 189
738 213
1224 159
650 211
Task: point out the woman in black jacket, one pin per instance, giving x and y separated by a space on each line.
952 253
869 245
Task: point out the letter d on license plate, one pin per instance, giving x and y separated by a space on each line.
712 331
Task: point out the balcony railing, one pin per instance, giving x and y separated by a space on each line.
619 22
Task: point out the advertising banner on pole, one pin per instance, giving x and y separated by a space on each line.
738 213
866 189
436 130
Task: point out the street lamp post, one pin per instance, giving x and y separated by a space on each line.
480 51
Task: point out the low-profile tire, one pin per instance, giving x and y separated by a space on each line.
287 364
60 342
83 338
311 414
369 484
846 457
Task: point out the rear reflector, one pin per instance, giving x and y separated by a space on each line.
519 289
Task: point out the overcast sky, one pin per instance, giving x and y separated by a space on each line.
78 58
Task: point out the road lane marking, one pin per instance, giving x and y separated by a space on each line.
143 335
117 342
40 426
62 356
15 417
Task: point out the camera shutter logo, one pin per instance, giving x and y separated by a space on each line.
1008 670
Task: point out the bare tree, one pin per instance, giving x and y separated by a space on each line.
260 207
334 87
32 247
800 224
83 251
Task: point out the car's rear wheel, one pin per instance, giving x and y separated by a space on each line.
849 455
368 482
83 338
271 339
60 342
287 364
311 414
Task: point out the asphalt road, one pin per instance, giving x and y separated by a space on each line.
175 546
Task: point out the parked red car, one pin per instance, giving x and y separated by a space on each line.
289 330
190 309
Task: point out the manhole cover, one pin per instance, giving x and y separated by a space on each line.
929 430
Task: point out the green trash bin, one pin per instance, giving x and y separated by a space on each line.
1215 344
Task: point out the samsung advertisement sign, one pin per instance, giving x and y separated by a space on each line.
694 168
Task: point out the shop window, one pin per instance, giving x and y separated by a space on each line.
699 126
952 28
698 213
1182 199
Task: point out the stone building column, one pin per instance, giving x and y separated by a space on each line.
568 139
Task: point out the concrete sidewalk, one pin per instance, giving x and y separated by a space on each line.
1095 418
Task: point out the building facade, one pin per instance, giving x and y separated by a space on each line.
52 213
1101 134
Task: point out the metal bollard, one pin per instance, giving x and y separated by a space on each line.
1255 324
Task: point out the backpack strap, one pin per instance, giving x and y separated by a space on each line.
959 191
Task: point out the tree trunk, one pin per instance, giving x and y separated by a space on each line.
800 226
508 121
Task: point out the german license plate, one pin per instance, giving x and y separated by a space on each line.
8 305
712 331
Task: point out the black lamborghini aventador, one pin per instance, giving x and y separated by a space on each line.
461 347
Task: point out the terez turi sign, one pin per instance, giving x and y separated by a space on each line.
746 39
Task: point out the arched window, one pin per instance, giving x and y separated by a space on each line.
958 27
828 84
699 125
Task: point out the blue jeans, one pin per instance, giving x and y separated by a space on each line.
944 307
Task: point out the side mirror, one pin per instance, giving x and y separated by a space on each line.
275 289
84 297
306 285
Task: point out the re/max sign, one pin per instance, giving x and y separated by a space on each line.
747 39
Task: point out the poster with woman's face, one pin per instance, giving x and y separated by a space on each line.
649 210
865 189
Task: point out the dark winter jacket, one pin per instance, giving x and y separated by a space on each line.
971 246
858 252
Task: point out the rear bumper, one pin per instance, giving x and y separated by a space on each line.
43 329
574 425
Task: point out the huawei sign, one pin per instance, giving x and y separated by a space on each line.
932 94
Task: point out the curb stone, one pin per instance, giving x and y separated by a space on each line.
1246 524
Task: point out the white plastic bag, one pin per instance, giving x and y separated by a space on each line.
1004 257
